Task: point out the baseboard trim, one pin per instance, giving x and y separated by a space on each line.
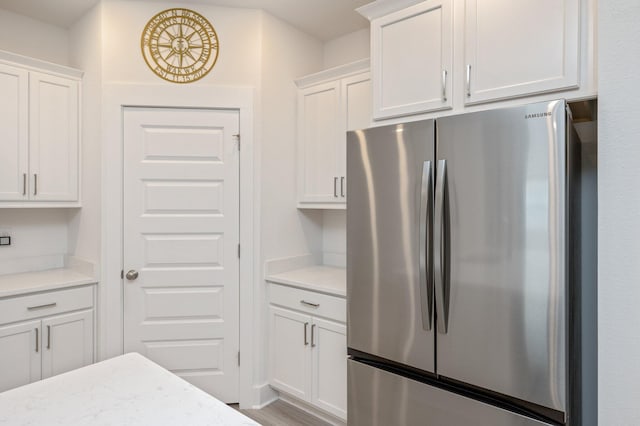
263 395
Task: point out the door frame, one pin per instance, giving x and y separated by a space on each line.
116 97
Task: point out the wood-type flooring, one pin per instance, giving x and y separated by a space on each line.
279 413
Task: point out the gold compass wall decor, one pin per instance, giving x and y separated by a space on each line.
179 45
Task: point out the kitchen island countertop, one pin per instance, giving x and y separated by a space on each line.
126 390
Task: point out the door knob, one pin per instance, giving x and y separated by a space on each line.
132 275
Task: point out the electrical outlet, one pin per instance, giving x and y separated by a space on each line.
5 240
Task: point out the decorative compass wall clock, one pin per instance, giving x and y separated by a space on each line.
179 45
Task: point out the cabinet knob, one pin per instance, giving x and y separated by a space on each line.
132 275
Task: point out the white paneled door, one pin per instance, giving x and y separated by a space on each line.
181 236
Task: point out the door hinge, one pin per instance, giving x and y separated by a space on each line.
121 274
238 251
238 358
237 136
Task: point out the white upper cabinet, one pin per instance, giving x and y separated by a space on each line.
355 104
411 59
53 125
518 48
14 128
329 103
318 137
433 55
40 133
356 101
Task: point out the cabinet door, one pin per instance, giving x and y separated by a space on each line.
356 98
329 348
67 342
20 349
13 133
518 48
53 135
289 356
412 60
356 107
319 131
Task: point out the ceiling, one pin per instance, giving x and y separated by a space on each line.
323 19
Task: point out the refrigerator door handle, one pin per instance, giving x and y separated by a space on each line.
426 276
439 247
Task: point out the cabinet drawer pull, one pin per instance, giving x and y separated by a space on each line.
48 337
24 184
306 342
313 344
37 340
48 305
335 187
469 80
342 186
35 184
313 305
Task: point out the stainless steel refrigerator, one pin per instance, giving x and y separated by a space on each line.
471 269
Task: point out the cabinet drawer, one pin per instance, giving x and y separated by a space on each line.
43 304
328 306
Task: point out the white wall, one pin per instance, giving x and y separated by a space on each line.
38 239
619 207
29 37
348 48
238 33
86 54
334 238
286 53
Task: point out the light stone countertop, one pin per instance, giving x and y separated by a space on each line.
127 390
52 279
325 279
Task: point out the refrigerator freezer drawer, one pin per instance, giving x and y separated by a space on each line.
377 398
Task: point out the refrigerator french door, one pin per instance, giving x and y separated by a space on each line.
458 272
390 304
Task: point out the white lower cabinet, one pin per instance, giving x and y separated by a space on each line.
329 366
57 337
290 352
308 356
19 354
67 342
